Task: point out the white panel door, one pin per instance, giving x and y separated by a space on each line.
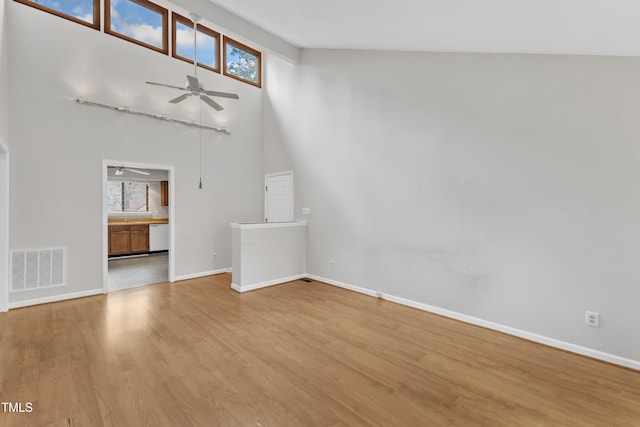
278 197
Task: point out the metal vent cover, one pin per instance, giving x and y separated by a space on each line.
37 269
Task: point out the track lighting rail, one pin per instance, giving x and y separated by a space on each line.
162 117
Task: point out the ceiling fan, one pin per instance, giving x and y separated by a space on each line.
193 87
119 170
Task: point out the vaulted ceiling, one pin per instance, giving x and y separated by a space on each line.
591 27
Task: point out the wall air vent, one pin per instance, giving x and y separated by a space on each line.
37 269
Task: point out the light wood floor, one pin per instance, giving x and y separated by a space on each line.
196 353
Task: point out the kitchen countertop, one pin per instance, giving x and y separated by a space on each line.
137 221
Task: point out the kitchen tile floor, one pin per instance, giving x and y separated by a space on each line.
131 272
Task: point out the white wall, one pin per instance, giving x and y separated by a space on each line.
4 226
4 162
4 85
504 187
267 254
58 145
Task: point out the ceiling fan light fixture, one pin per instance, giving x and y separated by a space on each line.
195 18
119 170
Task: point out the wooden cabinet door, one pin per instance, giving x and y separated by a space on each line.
164 193
119 240
139 238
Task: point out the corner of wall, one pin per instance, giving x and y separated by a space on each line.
4 78
4 226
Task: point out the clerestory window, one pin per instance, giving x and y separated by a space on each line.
242 62
137 21
207 42
85 12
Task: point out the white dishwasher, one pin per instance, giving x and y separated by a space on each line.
158 237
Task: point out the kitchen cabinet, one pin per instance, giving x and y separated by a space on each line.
128 239
139 238
119 236
164 193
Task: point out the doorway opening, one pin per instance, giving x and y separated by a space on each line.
4 227
138 226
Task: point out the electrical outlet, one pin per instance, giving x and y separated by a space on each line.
214 256
306 211
333 264
592 319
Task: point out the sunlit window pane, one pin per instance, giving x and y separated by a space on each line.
127 196
114 196
81 11
241 62
207 43
138 20
135 197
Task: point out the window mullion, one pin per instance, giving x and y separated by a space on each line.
122 196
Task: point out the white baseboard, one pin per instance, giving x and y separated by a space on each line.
55 298
62 297
201 274
343 285
254 286
551 342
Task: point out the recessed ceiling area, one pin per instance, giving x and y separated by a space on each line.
582 27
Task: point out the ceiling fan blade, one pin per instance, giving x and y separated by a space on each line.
137 171
180 98
222 94
162 84
211 103
194 83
